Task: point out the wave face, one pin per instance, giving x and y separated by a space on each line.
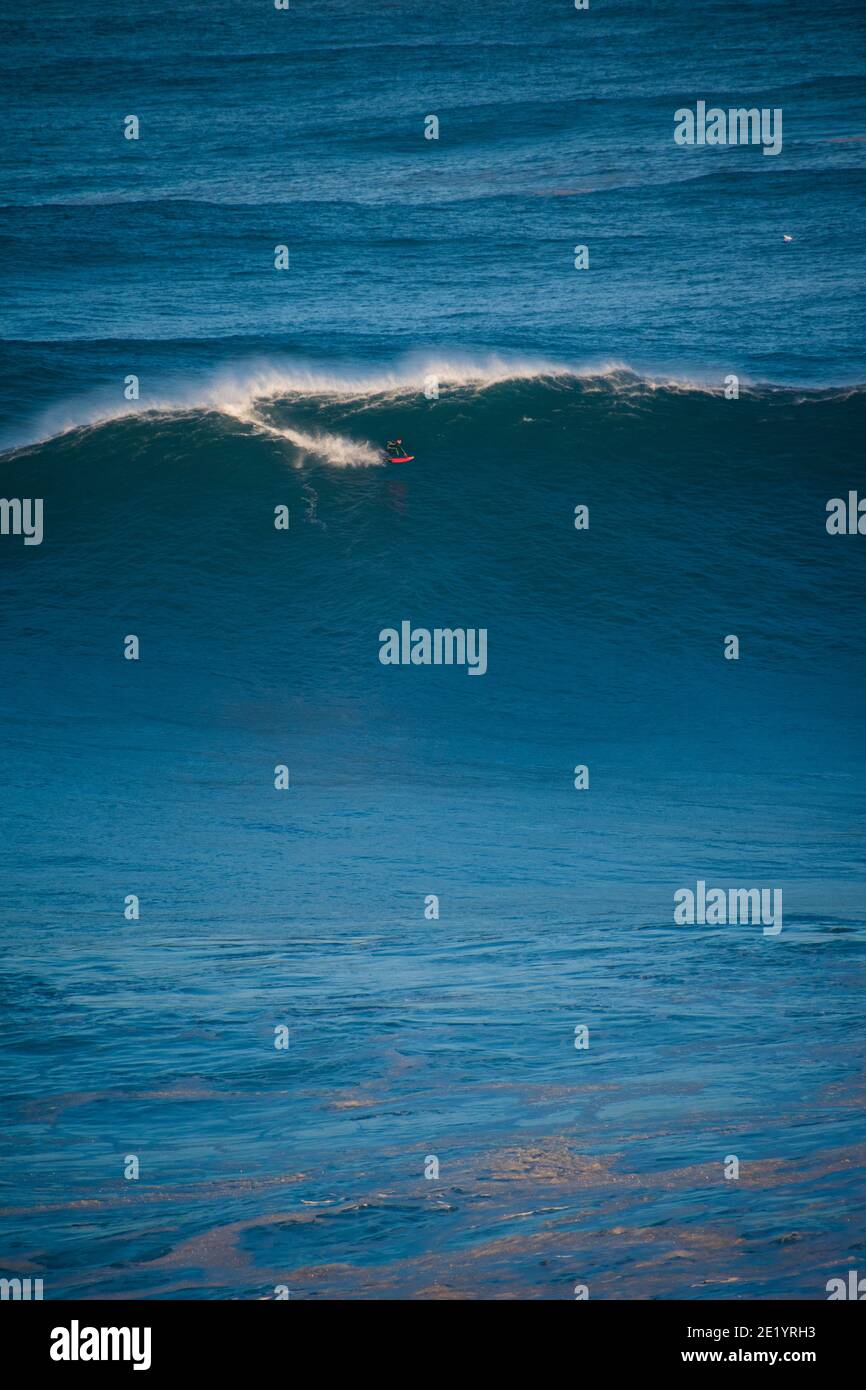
266 394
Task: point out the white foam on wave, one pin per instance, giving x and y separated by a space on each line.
336 449
242 391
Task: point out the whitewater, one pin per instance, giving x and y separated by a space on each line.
246 392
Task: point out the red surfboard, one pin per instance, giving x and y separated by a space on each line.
406 458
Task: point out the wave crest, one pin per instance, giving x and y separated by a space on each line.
245 392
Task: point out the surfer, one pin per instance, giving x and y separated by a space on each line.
396 452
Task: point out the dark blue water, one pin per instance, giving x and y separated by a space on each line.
412 1037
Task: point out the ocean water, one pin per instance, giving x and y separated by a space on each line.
431 293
